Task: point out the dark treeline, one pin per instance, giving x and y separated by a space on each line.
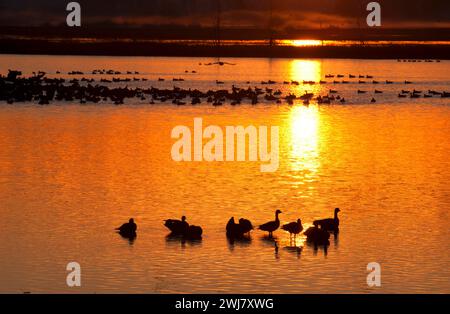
70 47
164 32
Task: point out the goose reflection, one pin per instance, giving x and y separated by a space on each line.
129 239
271 241
244 241
173 239
294 250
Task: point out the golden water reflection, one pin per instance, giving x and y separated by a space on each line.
305 70
304 123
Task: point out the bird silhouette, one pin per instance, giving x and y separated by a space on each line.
235 230
128 230
317 235
271 226
329 224
293 228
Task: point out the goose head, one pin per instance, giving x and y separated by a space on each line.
183 218
131 221
278 212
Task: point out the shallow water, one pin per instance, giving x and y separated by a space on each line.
69 174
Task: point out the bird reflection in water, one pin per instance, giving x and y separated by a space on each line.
172 239
243 241
270 240
294 250
129 238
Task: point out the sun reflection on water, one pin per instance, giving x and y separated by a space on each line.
304 127
305 70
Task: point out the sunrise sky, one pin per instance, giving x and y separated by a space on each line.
236 13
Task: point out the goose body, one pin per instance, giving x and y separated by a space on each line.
245 225
329 224
182 228
194 232
293 228
317 235
235 230
271 226
128 229
177 227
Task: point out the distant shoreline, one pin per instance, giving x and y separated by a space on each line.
69 47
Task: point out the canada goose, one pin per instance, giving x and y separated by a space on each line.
245 225
330 224
128 229
373 100
271 226
194 232
182 228
317 235
293 228
177 227
235 230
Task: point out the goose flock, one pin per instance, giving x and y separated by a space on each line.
38 88
318 234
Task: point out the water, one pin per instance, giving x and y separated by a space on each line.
69 174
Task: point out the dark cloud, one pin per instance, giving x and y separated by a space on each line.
304 13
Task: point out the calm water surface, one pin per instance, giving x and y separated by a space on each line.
69 174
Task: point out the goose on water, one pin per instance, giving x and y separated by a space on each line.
317 235
271 226
182 228
177 227
128 229
235 230
293 228
330 224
